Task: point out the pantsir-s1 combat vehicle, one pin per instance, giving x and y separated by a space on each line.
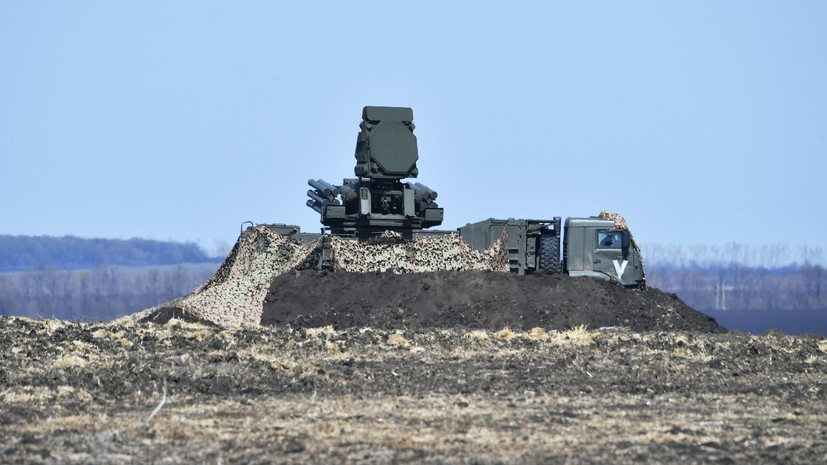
379 199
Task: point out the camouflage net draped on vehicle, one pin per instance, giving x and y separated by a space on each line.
391 252
235 293
622 225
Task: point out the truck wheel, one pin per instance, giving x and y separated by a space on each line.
550 254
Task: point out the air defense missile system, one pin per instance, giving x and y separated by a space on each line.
377 200
382 198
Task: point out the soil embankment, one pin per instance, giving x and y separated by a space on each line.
471 300
434 282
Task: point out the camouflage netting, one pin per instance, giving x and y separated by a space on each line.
236 292
622 225
617 218
391 252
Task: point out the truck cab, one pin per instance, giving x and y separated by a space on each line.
596 248
593 246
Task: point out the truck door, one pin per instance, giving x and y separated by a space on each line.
595 248
611 253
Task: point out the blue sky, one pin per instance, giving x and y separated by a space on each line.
700 121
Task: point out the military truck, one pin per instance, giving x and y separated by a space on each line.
380 199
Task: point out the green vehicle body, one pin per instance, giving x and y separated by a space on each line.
378 200
594 247
591 246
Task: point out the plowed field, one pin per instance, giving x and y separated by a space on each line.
188 392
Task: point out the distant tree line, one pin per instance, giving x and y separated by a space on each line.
738 276
21 253
738 287
97 294
768 256
105 293
99 279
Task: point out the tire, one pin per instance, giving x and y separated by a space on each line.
550 254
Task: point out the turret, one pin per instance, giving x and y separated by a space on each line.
377 200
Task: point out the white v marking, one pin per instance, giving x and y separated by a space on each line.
620 268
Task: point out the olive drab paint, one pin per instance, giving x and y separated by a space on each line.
379 200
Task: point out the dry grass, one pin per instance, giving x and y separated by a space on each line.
506 334
578 336
71 361
386 429
478 335
366 395
315 332
398 340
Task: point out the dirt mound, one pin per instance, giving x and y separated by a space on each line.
234 295
471 299
391 282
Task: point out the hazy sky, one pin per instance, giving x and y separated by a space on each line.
700 121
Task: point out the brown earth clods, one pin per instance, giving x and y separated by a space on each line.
271 363
471 300
183 392
434 282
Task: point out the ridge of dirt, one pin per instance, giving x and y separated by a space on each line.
392 282
472 300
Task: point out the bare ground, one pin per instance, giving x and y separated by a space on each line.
471 300
192 393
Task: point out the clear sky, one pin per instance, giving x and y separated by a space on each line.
700 121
